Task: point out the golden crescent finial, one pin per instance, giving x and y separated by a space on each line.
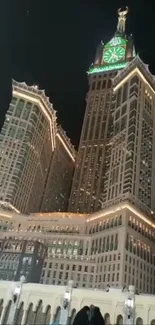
123 12
122 19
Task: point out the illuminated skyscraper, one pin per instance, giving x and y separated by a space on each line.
116 154
28 142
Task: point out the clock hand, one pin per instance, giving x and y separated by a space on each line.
114 55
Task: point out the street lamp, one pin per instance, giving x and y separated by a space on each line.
65 306
129 306
15 297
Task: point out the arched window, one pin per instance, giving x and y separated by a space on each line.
93 230
103 245
107 224
112 223
7 312
100 226
139 321
120 220
107 244
112 243
119 320
29 315
115 222
1 307
152 322
47 315
103 227
56 318
19 314
39 314
107 319
72 317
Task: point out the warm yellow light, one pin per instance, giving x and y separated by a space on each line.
5 216
120 208
37 101
60 138
135 71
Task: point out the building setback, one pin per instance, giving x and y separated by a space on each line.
114 246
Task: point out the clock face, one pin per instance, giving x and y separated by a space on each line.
114 54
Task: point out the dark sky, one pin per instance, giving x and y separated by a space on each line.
52 43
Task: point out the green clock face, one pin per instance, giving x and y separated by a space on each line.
114 54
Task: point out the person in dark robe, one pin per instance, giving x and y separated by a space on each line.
97 318
81 317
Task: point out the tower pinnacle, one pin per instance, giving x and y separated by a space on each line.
121 20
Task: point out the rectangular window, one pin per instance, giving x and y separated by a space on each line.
48 274
119 93
124 109
134 80
125 92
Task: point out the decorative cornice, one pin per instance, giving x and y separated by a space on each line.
67 140
136 62
35 91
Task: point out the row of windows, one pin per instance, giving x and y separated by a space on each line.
105 244
139 249
106 83
106 224
141 228
69 267
54 229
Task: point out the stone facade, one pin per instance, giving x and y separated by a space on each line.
42 304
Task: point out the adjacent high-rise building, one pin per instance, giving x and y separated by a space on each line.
29 141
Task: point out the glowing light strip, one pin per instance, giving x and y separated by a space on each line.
4 215
136 70
8 205
37 101
125 206
62 141
107 68
14 208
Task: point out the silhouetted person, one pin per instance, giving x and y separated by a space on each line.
81 317
97 318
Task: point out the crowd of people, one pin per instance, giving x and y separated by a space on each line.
89 316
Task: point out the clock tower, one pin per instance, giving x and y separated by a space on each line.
89 177
116 53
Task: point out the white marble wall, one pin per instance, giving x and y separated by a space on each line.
111 302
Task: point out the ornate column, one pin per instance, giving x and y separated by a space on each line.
66 302
129 308
14 300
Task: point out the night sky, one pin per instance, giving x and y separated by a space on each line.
52 44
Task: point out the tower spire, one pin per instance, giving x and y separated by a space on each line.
122 20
